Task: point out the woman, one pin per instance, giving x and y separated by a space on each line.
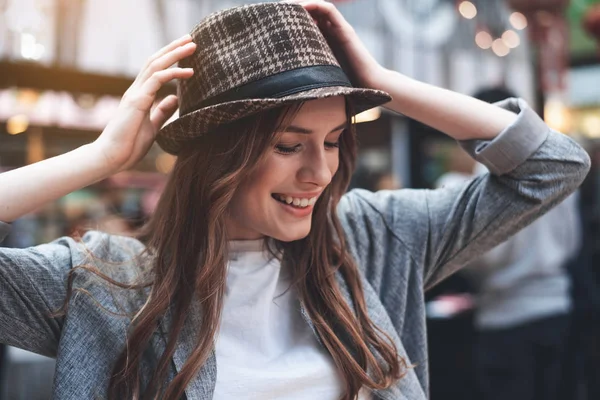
257 277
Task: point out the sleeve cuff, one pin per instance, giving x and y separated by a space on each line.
4 230
513 145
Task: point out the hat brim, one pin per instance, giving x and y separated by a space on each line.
174 136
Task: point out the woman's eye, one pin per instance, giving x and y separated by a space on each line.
332 145
287 149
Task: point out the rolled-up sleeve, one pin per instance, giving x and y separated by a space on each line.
532 169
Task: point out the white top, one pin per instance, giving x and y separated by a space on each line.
265 350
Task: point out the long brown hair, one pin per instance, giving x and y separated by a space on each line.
188 242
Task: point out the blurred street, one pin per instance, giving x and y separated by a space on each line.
64 66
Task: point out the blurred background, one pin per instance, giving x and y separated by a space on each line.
65 63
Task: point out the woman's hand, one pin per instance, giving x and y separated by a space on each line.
356 60
131 132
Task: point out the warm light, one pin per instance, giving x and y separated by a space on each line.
518 21
27 97
467 9
557 115
30 49
368 116
165 163
590 125
500 48
511 39
484 40
17 124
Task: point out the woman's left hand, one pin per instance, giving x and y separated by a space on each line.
358 63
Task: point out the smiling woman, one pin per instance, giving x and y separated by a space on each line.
258 276
274 200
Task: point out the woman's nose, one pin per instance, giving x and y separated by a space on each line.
317 169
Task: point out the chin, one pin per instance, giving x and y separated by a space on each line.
292 234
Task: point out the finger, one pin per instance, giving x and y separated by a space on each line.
167 60
163 111
323 11
159 78
171 46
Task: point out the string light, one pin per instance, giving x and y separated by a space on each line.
467 9
518 21
511 39
500 48
484 40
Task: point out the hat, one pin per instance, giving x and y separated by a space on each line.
254 58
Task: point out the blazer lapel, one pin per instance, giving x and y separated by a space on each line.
407 388
202 386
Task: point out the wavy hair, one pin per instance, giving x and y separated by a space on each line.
188 244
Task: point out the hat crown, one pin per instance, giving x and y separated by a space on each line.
244 44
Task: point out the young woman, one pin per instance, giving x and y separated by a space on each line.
258 277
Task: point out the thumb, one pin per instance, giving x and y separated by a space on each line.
163 111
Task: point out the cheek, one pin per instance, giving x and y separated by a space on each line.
270 177
334 163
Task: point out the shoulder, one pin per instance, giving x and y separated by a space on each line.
386 205
111 248
120 257
378 217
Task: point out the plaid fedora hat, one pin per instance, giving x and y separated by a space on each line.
253 58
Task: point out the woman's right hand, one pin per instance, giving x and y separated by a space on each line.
131 132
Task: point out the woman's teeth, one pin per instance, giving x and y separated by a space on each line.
295 201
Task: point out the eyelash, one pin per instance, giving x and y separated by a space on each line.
295 149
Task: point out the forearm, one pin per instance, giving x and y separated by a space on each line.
459 116
25 189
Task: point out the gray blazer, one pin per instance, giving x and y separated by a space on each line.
404 241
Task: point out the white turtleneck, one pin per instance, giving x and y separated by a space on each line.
265 349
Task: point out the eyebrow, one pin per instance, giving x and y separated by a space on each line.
298 129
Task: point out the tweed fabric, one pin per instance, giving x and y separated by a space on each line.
244 44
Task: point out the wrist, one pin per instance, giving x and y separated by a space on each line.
388 79
106 164
380 79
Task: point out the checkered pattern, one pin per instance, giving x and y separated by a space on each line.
244 44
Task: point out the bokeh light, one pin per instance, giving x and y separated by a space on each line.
484 40
467 9
17 124
511 39
500 48
518 21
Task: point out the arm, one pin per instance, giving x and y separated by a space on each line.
33 284
124 142
32 287
33 281
28 188
532 169
459 116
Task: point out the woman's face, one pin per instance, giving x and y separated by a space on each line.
277 199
